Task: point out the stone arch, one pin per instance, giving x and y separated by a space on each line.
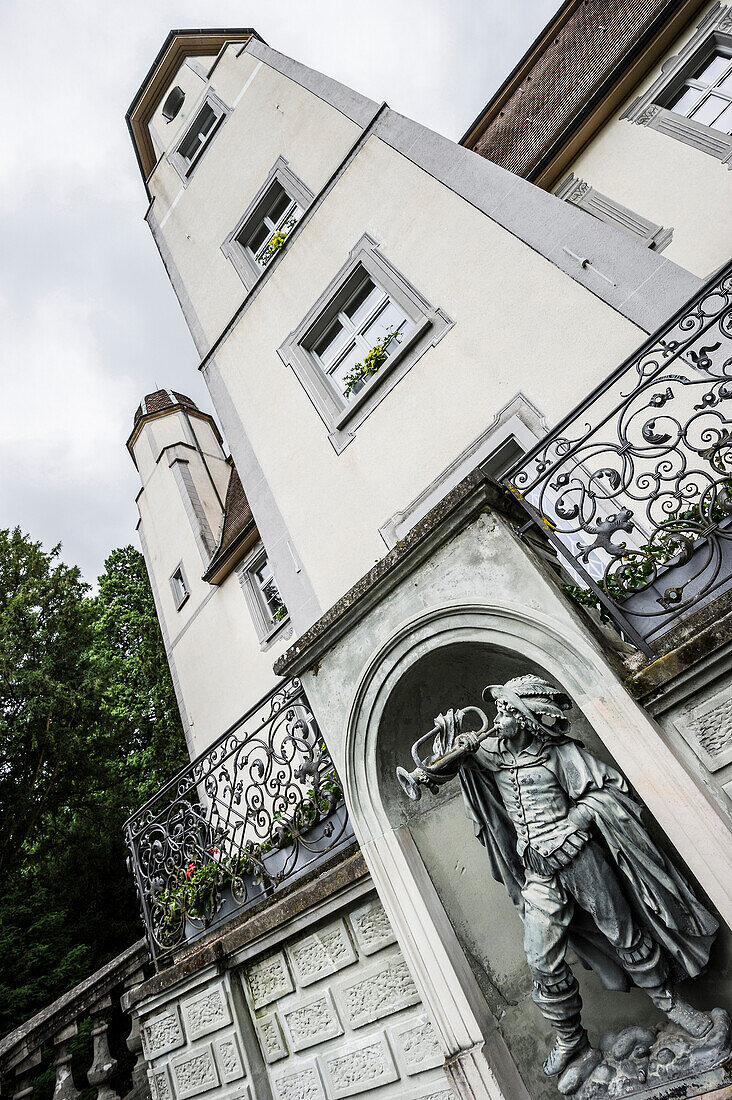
533 641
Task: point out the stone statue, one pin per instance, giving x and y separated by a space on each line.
566 838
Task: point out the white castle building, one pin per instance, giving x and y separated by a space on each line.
474 410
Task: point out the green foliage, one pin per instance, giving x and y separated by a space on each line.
372 361
280 614
88 729
275 244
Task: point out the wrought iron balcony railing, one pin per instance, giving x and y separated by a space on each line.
258 808
634 487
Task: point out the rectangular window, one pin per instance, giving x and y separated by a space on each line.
706 95
268 221
691 99
367 329
357 334
262 595
179 587
187 153
265 235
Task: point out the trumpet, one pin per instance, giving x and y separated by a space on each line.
437 770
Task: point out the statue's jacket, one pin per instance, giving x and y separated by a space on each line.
520 800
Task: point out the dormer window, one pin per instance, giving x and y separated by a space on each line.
197 137
173 103
268 221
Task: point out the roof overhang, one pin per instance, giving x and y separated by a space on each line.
159 413
177 47
624 78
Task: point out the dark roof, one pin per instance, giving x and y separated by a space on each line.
578 57
238 523
162 399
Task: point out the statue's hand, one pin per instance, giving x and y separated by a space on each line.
470 742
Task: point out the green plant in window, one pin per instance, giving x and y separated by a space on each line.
372 360
280 614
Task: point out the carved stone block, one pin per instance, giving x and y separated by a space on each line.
322 953
206 1012
371 927
377 992
161 1086
162 1033
271 1039
416 1045
228 1057
269 979
707 727
359 1066
312 1021
303 1083
195 1072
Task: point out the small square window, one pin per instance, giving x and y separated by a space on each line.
367 329
263 596
267 223
198 135
179 587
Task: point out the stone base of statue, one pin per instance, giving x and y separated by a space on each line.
654 1064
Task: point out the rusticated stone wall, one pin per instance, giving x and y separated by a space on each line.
338 1014
324 1012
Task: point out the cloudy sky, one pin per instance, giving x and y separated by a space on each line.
88 321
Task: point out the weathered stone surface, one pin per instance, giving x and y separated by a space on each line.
416 1045
377 992
303 1083
271 1038
228 1057
312 1021
195 1072
323 953
162 1033
640 1061
269 979
160 1084
357 1067
206 1012
371 927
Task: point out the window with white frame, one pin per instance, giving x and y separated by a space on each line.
268 221
357 334
367 329
262 594
706 94
198 135
691 99
179 587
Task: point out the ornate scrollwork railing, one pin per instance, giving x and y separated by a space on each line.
634 487
260 806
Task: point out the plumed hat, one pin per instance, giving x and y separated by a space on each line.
538 701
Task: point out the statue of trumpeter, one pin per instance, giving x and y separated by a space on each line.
565 836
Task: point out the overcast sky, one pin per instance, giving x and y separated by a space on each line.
88 321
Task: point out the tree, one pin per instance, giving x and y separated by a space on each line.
139 700
89 729
48 696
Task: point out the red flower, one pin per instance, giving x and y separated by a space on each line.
190 869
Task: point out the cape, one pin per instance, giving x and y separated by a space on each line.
662 900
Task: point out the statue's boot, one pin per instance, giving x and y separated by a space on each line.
679 1012
648 967
561 1056
560 1003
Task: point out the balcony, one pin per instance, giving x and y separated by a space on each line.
634 487
258 810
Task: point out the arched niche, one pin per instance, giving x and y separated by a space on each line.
446 661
